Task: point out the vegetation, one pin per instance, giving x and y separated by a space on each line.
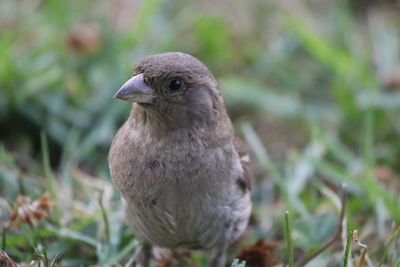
312 86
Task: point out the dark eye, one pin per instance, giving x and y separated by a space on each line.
175 84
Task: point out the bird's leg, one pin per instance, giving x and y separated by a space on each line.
143 257
219 257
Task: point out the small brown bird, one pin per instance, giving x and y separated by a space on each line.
182 173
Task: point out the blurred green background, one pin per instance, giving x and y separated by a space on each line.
312 86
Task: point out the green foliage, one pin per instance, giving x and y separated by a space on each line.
288 237
349 237
313 92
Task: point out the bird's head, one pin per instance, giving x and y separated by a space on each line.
175 86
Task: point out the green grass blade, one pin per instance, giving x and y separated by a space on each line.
288 237
368 185
105 219
256 145
49 176
397 262
74 235
123 253
347 249
4 239
385 252
368 143
56 259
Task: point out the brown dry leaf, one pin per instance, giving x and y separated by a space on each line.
5 260
260 254
26 211
84 38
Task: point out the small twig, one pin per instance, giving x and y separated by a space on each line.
361 260
363 253
289 239
347 249
334 237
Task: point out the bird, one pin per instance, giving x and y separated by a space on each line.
183 175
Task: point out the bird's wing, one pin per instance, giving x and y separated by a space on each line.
245 180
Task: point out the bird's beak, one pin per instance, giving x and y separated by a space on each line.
136 90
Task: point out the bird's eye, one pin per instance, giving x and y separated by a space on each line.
175 84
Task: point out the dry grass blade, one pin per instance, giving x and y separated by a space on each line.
5 260
363 253
361 260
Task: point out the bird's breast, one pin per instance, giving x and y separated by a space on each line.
170 187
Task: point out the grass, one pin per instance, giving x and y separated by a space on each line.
347 249
313 89
385 252
288 237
